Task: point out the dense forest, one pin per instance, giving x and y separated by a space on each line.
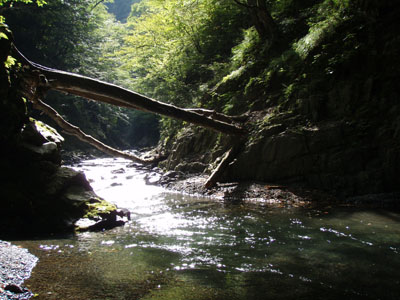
312 83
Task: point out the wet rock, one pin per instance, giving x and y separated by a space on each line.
106 225
105 220
65 178
156 170
152 178
123 212
74 157
13 288
134 165
192 146
332 156
41 142
191 167
173 174
118 171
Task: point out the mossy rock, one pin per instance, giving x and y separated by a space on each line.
99 209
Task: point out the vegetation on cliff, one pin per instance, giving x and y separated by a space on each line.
312 79
319 92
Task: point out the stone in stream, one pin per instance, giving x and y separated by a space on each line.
152 178
118 171
124 212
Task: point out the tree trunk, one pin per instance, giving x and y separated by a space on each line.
86 87
38 79
77 132
262 19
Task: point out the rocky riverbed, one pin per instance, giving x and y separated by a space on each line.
264 192
16 265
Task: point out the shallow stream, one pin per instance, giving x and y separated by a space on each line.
185 247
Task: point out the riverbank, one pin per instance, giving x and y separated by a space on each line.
280 195
263 193
178 245
175 233
16 265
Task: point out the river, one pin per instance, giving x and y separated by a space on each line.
185 247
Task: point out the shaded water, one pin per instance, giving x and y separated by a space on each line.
184 247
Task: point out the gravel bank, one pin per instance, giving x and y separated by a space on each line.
16 265
249 192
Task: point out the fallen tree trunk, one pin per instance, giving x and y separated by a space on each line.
228 157
109 93
77 132
39 79
218 116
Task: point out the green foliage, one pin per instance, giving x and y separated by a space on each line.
329 16
10 3
7 4
186 52
143 129
244 52
9 62
120 8
55 34
171 44
80 36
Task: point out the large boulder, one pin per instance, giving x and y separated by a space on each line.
37 195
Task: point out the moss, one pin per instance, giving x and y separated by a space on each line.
47 131
99 208
233 75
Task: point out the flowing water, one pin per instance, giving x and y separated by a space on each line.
185 247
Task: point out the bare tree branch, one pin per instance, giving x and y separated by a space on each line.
97 3
77 132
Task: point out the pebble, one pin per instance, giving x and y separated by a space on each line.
16 265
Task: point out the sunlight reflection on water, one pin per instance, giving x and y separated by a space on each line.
251 251
119 184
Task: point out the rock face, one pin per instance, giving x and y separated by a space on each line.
37 195
196 150
328 119
339 157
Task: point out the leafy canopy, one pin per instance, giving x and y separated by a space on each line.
171 44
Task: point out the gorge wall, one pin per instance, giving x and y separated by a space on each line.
327 117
